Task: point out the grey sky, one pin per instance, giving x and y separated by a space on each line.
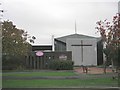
44 18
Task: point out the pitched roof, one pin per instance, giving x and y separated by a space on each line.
63 39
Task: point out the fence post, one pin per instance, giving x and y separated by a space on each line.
37 62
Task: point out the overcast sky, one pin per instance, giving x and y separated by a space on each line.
44 18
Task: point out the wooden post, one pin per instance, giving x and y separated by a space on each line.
34 62
26 61
40 62
30 61
37 62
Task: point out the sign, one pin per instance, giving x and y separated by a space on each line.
63 57
39 53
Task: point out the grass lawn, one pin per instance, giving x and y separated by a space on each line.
107 82
49 73
51 83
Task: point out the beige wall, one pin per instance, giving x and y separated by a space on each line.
89 52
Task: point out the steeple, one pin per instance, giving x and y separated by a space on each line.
75 28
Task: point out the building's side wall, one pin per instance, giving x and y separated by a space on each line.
59 46
56 55
100 52
86 55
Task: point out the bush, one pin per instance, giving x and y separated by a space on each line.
10 62
61 65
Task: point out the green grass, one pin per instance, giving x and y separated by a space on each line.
51 83
29 74
59 83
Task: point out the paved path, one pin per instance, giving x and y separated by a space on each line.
40 77
93 70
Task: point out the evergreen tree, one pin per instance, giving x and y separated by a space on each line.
15 45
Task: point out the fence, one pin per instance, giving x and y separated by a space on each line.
42 62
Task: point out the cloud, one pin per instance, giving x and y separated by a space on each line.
43 18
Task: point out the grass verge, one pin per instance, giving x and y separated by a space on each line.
43 83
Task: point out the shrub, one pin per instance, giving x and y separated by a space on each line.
61 65
10 62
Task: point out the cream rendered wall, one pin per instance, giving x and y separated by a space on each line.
89 52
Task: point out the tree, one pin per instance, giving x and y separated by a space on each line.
15 43
110 33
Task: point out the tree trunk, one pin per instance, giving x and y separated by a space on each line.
105 65
113 68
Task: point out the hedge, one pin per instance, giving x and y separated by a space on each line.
61 64
10 62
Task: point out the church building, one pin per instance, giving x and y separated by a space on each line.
82 49
86 50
